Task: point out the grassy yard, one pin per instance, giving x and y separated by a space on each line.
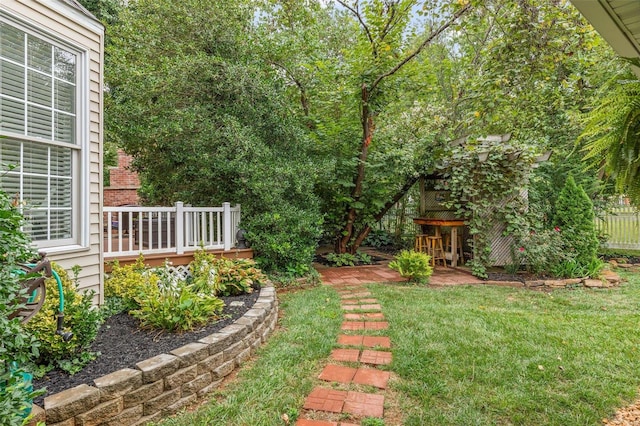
463 356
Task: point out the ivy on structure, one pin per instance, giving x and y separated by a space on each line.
488 179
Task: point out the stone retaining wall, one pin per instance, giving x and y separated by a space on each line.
608 279
160 386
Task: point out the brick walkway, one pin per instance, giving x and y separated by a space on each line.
362 356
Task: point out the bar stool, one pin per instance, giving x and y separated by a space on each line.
436 250
422 243
447 246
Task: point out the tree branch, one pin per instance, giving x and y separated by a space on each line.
422 45
356 12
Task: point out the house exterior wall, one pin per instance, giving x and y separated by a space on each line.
61 20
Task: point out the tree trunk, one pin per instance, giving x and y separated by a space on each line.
367 228
351 213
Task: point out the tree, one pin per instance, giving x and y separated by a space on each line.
349 91
204 118
576 220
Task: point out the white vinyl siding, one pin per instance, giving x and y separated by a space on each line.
39 154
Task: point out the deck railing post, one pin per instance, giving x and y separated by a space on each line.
226 226
179 227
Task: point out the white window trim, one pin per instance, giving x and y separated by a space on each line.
81 198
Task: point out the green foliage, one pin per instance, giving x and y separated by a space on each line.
571 268
348 259
413 265
16 344
203 273
486 180
542 251
127 282
611 138
378 238
175 306
372 421
237 276
206 122
163 299
575 217
80 318
284 240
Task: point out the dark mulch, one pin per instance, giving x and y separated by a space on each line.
121 344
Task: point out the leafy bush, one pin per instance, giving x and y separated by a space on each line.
573 269
575 216
203 273
126 282
413 265
237 276
342 259
79 317
16 344
378 238
175 306
286 240
348 259
542 251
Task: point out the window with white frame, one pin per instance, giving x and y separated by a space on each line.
39 150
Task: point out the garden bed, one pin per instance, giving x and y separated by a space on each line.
159 386
121 344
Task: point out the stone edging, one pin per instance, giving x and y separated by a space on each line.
160 386
609 279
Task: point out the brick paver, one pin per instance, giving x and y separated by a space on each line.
337 373
376 325
347 340
346 355
373 315
375 357
364 404
372 377
306 422
350 301
353 325
368 300
373 341
371 307
353 317
325 400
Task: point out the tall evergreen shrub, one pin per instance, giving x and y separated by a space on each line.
575 218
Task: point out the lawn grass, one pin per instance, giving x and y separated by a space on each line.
283 372
502 356
468 355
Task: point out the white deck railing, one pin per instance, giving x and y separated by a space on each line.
132 230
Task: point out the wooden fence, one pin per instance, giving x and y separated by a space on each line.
621 227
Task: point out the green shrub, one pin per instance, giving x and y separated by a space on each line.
341 259
80 317
348 259
203 273
16 344
542 251
175 308
378 238
575 217
413 265
285 240
126 282
237 276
